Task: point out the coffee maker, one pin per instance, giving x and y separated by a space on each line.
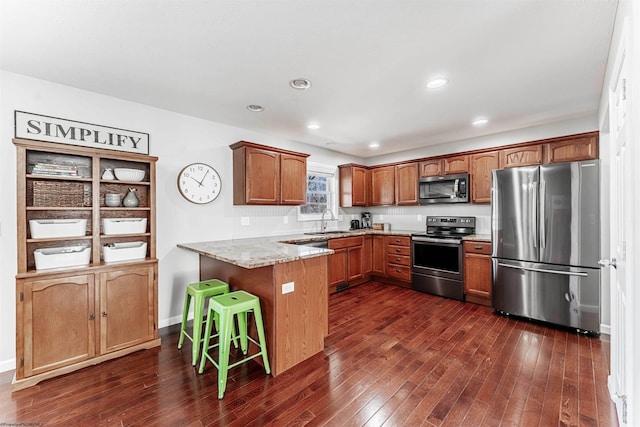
366 219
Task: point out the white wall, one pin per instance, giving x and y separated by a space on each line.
178 140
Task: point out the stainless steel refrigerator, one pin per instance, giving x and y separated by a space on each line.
546 243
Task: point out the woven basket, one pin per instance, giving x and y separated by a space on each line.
58 194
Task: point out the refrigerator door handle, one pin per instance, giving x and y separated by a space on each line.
543 228
533 188
544 270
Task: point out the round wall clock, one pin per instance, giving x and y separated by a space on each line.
199 183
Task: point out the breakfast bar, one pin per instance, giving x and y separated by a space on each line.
291 282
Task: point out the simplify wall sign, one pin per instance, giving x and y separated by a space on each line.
53 129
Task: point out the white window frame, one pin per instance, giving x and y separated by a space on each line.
332 202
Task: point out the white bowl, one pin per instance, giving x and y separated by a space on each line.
124 174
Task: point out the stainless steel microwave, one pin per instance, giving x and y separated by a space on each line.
444 189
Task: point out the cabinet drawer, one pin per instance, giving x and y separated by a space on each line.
345 242
399 259
399 250
399 240
474 247
399 272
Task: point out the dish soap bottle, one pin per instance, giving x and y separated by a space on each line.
131 200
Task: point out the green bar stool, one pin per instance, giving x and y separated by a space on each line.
199 291
227 306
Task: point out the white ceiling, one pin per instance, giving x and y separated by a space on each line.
520 63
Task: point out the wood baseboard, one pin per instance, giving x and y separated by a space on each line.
35 379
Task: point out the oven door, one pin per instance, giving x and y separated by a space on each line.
437 266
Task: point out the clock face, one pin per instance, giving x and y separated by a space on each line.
199 183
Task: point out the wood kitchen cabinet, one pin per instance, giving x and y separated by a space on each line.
355 185
268 176
346 264
456 164
482 165
398 258
59 322
527 155
571 149
407 184
431 167
477 272
383 186
378 255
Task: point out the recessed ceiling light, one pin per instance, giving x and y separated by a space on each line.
313 126
436 83
255 108
480 121
300 84
374 145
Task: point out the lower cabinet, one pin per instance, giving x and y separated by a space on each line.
66 322
477 272
398 259
378 255
346 264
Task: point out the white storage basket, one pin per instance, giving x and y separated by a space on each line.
66 256
124 225
47 228
126 251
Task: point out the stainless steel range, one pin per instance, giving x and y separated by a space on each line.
437 260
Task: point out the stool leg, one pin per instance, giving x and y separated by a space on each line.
242 330
257 314
185 315
198 308
205 342
226 320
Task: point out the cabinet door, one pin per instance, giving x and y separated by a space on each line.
477 275
434 167
367 259
456 164
58 326
407 184
481 166
355 269
338 267
571 150
293 180
383 185
127 314
361 186
379 251
262 176
521 156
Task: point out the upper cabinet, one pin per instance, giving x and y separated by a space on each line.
355 185
482 164
383 185
456 164
268 176
407 184
527 155
444 166
571 149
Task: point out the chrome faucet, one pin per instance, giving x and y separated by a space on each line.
323 226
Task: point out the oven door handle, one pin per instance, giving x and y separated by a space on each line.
433 240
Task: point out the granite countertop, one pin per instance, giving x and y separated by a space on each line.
478 237
265 251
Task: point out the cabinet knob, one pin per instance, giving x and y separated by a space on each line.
104 314
398 259
398 250
477 247
92 316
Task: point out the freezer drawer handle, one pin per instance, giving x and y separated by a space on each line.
542 270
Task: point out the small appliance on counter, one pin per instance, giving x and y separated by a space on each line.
355 224
366 220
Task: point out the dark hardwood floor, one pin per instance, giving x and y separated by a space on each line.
394 357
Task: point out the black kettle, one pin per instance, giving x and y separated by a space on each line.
355 224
